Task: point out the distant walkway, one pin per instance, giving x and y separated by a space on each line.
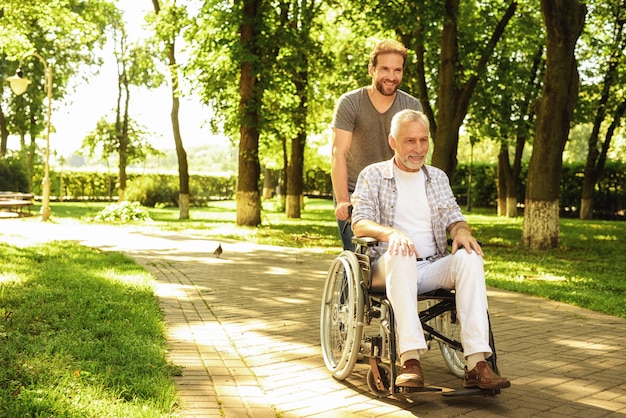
246 329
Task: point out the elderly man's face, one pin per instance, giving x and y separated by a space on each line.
410 146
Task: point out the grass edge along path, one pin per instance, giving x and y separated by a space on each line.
81 334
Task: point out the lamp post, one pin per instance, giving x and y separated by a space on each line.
19 84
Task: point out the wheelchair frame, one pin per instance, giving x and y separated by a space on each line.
349 304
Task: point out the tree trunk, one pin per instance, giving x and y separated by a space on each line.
454 100
269 184
248 195
447 136
564 20
4 134
119 134
294 179
183 169
503 168
296 165
586 207
123 141
511 207
596 160
510 174
541 224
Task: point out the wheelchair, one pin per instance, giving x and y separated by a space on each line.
353 297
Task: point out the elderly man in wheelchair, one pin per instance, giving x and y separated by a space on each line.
408 208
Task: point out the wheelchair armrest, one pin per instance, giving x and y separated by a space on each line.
365 241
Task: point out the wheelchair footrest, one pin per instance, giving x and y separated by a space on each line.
471 392
408 389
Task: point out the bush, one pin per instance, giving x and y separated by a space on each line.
13 176
152 190
124 212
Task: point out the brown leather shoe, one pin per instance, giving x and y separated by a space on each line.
484 377
411 375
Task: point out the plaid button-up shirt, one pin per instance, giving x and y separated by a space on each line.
375 198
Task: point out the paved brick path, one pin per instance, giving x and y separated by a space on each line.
245 327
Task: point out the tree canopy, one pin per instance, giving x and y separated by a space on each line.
271 71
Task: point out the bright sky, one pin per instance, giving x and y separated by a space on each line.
77 115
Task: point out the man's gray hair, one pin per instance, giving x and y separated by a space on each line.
408 115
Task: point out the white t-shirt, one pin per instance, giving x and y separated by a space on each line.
412 215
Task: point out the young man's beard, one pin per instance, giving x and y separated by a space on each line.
385 92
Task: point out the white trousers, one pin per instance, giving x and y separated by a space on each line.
464 272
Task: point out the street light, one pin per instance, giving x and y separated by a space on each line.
19 84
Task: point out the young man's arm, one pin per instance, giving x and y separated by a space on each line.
339 171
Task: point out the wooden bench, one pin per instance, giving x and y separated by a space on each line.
16 202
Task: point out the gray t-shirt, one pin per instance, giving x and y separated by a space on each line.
370 129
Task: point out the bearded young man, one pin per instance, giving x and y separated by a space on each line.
361 124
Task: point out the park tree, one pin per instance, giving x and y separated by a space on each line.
604 52
287 104
504 102
564 21
242 39
456 81
65 33
168 24
309 75
251 90
104 141
135 67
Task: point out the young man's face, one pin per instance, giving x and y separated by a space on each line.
410 146
387 74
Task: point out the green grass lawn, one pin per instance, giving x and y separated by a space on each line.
81 335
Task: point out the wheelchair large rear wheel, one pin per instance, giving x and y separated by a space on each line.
341 319
449 325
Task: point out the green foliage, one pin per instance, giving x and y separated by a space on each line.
318 182
13 175
123 212
501 105
601 48
484 179
151 190
81 335
65 33
104 140
83 185
609 199
212 187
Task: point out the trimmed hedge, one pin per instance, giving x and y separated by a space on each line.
162 189
609 198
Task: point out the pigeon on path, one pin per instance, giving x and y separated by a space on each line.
218 251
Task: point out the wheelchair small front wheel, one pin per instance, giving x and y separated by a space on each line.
341 319
381 388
